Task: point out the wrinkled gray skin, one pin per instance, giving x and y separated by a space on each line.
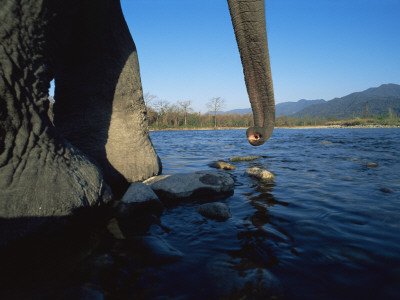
100 136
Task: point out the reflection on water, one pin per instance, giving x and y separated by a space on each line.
327 228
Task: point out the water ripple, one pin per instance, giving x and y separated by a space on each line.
327 228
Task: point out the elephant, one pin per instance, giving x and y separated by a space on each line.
98 142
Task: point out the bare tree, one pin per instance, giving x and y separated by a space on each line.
185 106
173 114
148 99
216 104
161 107
209 109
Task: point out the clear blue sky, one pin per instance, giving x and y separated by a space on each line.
318 48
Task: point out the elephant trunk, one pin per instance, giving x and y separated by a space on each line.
248 18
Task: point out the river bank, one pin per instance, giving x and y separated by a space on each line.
282 127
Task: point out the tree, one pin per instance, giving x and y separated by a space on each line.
161 107
148 99
216 104
185 106
209 109
172 115
392 114
366 112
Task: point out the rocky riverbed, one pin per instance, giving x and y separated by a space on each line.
108 255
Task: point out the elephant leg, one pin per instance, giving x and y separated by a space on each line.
99 103
43 178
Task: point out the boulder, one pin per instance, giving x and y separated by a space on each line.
139 199
222 165
201 183
217 211
260 174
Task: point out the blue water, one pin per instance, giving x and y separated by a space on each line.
327 228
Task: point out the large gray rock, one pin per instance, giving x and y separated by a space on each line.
201 183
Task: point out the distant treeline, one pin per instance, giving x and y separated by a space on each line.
175 118
179 116
161 114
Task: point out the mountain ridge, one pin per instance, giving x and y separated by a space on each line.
370 102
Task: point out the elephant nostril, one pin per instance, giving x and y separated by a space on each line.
254 137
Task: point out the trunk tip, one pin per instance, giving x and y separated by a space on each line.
259 135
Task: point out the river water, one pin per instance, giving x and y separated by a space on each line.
328 227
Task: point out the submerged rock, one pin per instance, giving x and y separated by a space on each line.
222 165
86 292
260 174
201 183
217 211
140 199
115 230
371 165
137 225
138 209
96 267
231 281
159 251
385 190
244 158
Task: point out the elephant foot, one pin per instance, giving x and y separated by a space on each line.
44 185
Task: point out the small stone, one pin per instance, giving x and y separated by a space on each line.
260 174
216 211
138 200
371 164
385 190
222 165
244 158
113 228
